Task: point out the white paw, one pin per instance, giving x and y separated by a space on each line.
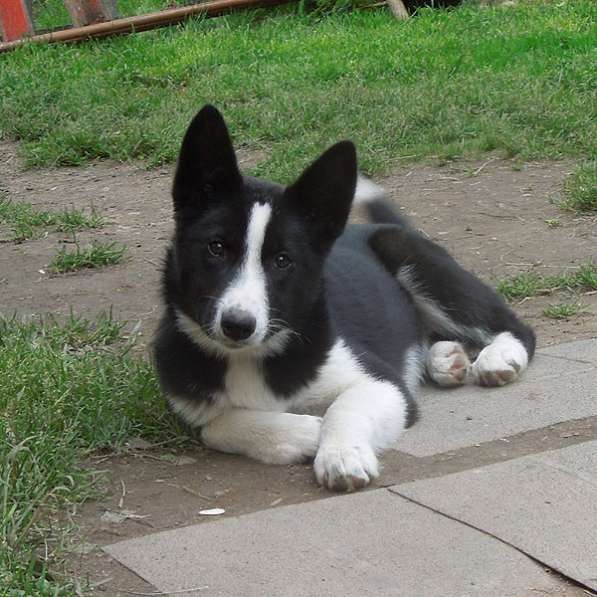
299 443
448 364
501 362
345 468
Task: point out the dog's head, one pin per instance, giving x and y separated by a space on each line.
246 265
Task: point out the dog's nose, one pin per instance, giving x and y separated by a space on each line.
238 324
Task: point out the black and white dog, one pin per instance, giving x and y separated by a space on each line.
274 304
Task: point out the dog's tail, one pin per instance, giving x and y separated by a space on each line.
374 200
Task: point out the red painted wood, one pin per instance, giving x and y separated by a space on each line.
15 20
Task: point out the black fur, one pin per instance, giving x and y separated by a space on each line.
461 295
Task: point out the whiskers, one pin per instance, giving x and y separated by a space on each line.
277 325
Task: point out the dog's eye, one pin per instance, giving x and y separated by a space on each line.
282 261
216 248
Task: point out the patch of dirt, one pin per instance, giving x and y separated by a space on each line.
491 214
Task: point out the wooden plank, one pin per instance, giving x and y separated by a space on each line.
211 8
15 19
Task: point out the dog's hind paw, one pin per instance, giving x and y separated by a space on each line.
501 362
448 364
345 468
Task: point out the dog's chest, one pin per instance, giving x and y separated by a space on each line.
245 386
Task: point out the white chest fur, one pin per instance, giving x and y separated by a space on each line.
245 387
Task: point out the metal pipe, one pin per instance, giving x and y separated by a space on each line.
152 20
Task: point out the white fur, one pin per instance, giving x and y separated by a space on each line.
248 290
340 371
363 420
366 416
501 362
271 437
448 364
245 387
366 191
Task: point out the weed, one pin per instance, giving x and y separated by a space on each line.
26 222
528 284
581 188
96 255
563 310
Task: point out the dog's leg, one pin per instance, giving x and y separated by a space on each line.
454 305
271 437
362 421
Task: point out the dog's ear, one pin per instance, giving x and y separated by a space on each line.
323 193
207 163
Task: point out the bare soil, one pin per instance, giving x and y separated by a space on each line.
491 214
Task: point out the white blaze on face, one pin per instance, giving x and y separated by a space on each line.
248 290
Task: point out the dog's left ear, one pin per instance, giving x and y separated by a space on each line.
323 193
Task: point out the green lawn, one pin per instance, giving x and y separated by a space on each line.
65 390
520 80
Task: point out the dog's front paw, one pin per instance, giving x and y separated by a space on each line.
501 362
300 442
345 468
448 364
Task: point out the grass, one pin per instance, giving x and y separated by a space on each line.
516 80
65 390
581 188
25 221
528 284
95 255
563 310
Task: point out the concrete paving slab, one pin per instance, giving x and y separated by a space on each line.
372 543
545 504
555 388
582 350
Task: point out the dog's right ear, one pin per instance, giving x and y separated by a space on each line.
207 163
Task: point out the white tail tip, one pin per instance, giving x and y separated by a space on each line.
367 191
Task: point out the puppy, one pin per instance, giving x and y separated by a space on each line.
273 303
